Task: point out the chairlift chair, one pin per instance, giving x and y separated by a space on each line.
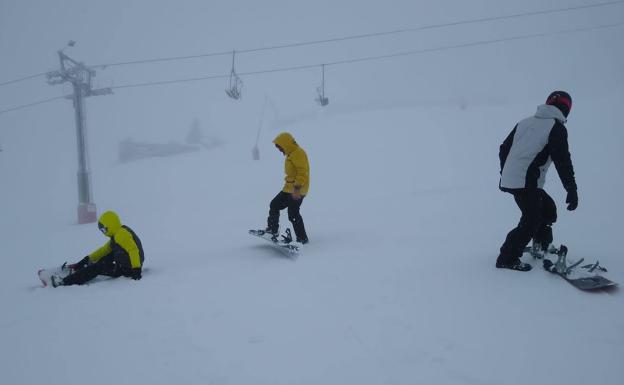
236 84
235 87
321 99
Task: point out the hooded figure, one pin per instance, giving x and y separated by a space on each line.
122 255
525 157
296 185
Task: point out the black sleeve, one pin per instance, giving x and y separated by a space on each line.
560 154
504 149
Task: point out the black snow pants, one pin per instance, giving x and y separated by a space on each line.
105 266
539 212
285 200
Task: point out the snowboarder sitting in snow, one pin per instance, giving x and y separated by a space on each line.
525 156
295 188
122 255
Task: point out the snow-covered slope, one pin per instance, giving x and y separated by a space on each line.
397 286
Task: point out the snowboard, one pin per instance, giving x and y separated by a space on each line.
286 244
46 274
583 277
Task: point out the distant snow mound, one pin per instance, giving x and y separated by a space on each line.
130 150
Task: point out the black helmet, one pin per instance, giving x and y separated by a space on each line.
562 100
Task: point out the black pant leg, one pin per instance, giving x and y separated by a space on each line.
278 203
105 266
295 218
543 234
530 205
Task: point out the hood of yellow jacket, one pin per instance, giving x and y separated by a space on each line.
110 220
286 141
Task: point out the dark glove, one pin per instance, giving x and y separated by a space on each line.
572 200
135 273
84 262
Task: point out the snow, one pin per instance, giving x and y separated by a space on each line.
397 285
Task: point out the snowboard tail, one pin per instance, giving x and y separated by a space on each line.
592 283
587 280
45 275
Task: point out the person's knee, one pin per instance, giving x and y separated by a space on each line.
529 222
528 229
550 218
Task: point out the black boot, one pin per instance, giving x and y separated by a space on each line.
299 227
271 230
513 265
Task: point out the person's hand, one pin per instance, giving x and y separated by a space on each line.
572 200
135 273
296 194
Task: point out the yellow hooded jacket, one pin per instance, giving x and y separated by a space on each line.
124 243
296 165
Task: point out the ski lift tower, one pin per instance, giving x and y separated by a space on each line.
80 76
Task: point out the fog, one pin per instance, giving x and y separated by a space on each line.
584 63
397 284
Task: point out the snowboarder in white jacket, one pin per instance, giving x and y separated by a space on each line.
525 156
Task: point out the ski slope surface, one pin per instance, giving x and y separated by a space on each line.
397 286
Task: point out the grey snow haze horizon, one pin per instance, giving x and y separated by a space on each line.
405 219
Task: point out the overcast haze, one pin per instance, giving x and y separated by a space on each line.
398 284
114 31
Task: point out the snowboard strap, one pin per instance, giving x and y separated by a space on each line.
593 266
561 265
288 237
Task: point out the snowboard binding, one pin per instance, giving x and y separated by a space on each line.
54 276
594 266
561 266
287 238
584 280
285 244
539 251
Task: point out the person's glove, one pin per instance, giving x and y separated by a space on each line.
135 273
572 200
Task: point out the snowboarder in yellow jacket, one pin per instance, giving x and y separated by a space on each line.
297 183
122 255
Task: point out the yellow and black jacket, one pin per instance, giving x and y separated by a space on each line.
124 244
296 165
